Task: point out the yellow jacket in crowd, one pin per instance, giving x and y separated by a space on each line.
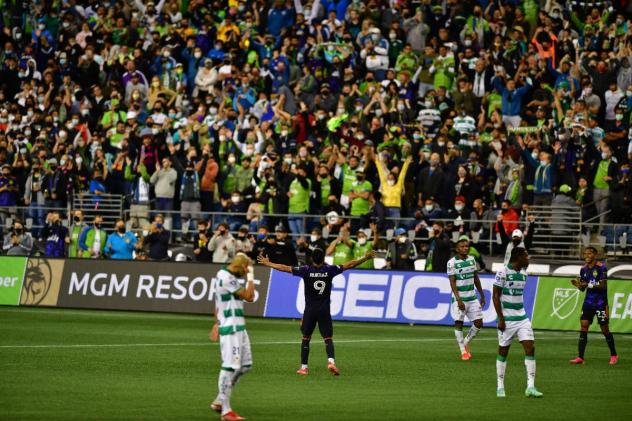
392 193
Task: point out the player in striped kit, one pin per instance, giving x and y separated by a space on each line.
463 275
512 319
230 328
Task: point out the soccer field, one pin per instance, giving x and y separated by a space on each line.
76 365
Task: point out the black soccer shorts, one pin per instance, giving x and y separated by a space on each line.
602 313
320 314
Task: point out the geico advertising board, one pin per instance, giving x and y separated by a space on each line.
385 296
148 286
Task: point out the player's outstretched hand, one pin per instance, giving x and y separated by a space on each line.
575 282
213 334
263 260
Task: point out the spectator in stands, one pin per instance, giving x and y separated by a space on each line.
8 192
55 236
157 240
243 243
17 242
605 174
341 248
34 196
401 253
92 240
315 241
621 198
279 249
164 182
76 228
518 237
392 188
438 249
200 243
299 192
190 205
363 246
222 244
120 245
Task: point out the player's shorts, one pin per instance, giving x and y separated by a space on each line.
521 329
320 314
235 349
602 313
473 311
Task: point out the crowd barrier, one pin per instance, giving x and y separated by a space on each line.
357 295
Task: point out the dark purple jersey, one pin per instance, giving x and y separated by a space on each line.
595 298
317 281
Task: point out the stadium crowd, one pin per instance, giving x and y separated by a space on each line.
375 114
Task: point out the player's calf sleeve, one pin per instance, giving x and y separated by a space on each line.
610 342
225 385
329 347
471 334
305 350
501 365
581 345
529 363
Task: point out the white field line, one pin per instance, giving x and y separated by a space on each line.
184 344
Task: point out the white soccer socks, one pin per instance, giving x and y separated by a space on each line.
459 339
529 362
471 334
501 365
225 385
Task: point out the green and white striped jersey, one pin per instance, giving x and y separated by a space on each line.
463 271
230 308
512 283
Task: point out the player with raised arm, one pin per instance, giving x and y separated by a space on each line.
593 278
230 329
463 275
512 320
318 279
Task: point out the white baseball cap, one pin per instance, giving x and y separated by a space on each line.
516 233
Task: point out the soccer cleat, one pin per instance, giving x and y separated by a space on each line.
500 393
333 369
578 360
216 406
232 416
465 356
302 371
614 359
532 392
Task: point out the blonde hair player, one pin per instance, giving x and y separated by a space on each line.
231 290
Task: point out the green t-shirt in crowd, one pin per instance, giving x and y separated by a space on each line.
360 206
359 251
602 171
343 253
299 202
348 178
325 189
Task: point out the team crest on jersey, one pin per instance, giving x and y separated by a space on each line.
564 302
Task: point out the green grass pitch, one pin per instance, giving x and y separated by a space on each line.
80 365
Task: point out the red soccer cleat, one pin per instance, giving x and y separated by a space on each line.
302 371
333 369
614 359
465 356
577 360
217 407
232 416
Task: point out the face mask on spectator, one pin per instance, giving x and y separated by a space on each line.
197 54
605 155
222 138
401 239
429 207
235 199
459 207
362 241
231 159
313 238
121 229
